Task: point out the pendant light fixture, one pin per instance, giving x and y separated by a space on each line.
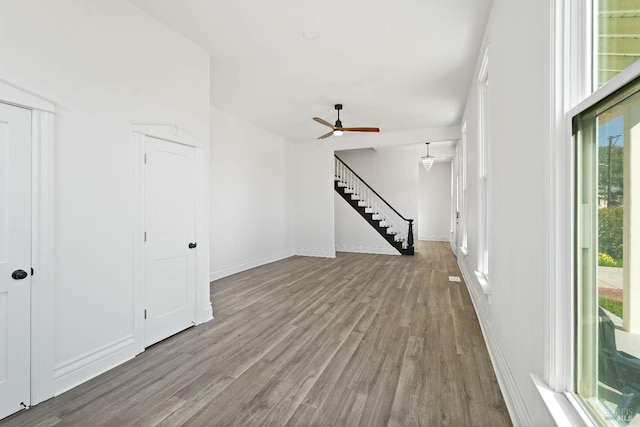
427 161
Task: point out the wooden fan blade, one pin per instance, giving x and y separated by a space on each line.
361 129
324 122
326 135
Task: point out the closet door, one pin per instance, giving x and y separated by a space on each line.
15 258
170 246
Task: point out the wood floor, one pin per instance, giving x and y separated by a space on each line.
359 340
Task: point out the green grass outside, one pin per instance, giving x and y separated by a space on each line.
610 305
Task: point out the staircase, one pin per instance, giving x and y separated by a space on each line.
396 229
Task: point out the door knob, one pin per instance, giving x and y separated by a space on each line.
192 245
19 274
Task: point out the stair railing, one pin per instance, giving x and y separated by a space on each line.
399 225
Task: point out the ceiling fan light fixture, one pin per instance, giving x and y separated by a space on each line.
337 128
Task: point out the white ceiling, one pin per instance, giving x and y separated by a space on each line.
395 64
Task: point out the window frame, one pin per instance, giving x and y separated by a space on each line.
569 81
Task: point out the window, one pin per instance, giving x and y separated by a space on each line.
586 176
483 178
606 140
616 41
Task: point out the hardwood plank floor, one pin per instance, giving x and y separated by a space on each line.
359 340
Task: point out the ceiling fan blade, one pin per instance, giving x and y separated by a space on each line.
361 129
326 135
324 122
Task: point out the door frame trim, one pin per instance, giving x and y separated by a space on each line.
42 235
172 133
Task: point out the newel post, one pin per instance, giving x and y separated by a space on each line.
410 236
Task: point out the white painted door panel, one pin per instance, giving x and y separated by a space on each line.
170 206
15 254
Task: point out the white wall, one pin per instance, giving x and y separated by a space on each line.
434 202
251 196
311 168
104 64
512 315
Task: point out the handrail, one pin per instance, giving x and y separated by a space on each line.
374 191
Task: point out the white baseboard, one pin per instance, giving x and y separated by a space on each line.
435 238
512 397
219 274
321 253
388 250
93 363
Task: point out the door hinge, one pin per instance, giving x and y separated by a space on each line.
145 158
145 236
145 314
32 272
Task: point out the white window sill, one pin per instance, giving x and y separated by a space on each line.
564 412
484 282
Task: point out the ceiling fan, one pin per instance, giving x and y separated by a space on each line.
337 129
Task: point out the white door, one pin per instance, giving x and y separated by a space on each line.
170 246
15 258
